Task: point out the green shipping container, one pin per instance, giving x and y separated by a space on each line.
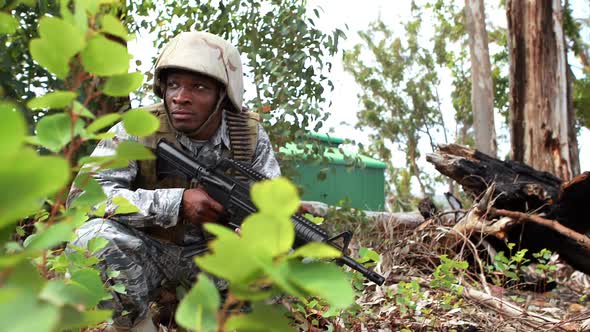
363 187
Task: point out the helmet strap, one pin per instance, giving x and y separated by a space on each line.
204 125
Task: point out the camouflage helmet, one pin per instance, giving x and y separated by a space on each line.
206 54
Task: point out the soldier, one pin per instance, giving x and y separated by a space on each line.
199 78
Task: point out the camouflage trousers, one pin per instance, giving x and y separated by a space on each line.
145 264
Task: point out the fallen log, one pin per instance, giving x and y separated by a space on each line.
402 219
544 198
518 187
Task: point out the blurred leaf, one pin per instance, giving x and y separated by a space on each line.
367 255
130 150
24 275
262 318
325 280
59 293
122 85
82 111
97 243
93 192
119 288
123 205
89 281
198 309
105 57
139 122
113 26
316 250
54 235
278 238
55 131
225 248
52 100
314 219
23 312
13 129
8 24
59 42
31 179
73 319
103 122
276 197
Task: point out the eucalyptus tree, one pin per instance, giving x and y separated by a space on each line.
482 89
543 131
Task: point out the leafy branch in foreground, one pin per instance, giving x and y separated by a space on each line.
263 267
44 287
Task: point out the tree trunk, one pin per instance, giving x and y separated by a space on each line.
541 121
482 88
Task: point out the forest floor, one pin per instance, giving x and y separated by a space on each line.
434 285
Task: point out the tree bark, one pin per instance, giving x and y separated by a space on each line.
541 121
482 88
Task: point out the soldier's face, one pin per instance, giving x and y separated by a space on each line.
191 97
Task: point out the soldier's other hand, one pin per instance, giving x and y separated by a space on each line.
198 207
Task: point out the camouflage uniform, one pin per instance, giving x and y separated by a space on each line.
146 263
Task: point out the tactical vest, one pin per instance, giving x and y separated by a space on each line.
243 133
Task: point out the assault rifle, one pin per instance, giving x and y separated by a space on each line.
209 170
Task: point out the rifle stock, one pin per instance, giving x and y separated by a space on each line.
209 169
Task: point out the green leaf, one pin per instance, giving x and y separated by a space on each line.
325 280
198 309
52 100
103 122
89 281
73 319
13 128
123 205
367 255
112 274
228 247
97 243
59 293
82 111
25 275
140 122
105 57
279 233
316 250
25 312
55 131
276 197
262 318
59 42
52 236
130 150
122 85
280 274
92 195
8 24
30 179
113 26
314 219
119 288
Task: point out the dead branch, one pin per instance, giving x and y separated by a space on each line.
519 217
510 309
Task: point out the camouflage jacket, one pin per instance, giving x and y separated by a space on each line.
160 207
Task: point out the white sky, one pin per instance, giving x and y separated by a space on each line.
344 97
